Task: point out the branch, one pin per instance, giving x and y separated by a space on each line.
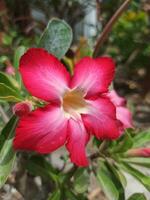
107 29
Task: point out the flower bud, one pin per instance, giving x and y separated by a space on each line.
23 108
10 70
139 152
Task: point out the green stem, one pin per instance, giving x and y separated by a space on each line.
3 115
103 146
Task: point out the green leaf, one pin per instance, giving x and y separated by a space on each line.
18 79
8 94
137 196
138 161
118 173
68 62
145 180
109 188
117 177
8 81
39 166
56 38
18 53
7 40
70 195
7 154
5 131
81 180
56 195
141 139
3 59
125 144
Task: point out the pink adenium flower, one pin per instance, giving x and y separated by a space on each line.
139 152
75 106
122 112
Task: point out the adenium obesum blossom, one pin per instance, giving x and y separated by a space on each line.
76 107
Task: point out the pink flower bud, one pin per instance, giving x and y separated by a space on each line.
139 152
22 108
10 70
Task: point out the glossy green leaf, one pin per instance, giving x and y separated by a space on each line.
8 94
141 139
118 173
137 196
8 81
145 180
106 183
7 154
56 38
138 161
18 53
125 144
5 131
81 180
117 177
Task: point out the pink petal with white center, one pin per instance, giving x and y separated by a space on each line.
43 74
93 76
77 140
125 116
116 99
101 119
43 130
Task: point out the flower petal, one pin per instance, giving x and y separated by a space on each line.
122 112
116 99
93 75
77 140
125 116
101 119
43 130
43 74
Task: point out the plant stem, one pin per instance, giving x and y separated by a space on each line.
98 154
103 145
107 29
3 115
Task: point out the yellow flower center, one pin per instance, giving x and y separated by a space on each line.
74 103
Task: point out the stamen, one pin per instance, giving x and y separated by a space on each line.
73 102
